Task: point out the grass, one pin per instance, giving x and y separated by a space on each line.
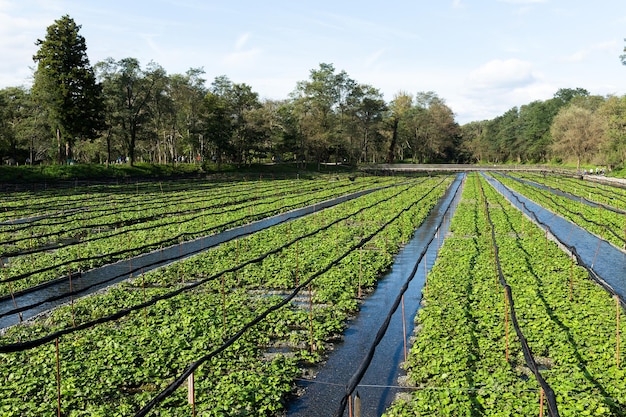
97 172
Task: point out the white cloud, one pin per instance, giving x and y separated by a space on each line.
241 58
501 74
241 42
374 58
611 47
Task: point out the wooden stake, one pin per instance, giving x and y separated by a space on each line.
181 275
425 277
571 279
540 402
143 288
357 405
359 295
350 406
58 378
311 318
191 394
506 326
223 307
237 259
625 234
404 329
617 332
494 263
596 254
297 266
72 298
546 253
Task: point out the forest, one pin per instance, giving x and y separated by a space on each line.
123 111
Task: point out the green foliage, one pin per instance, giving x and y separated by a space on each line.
115 368
457 363
119 222
66 86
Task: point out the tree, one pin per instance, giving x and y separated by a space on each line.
369 109
613 112
565 95
217 127
23 132
507 138
129 89
399 107
428 129
473 143
187 93
65 85
576 133
323 105
535 120
269 128
237 100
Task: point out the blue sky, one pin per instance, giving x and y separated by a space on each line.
482 57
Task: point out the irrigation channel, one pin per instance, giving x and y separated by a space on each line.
44 297
607 261
379 385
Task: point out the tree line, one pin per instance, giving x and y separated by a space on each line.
119 110
123 111
573 126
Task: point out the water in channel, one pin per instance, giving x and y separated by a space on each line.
379 385
50 295
605 259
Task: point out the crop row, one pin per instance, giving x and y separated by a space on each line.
111 245
56 201
118 211
608 224
53 201
590 190
458 364
116 367
92 216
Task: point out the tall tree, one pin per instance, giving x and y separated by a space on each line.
237 100
187 92
323 105
24 136
613 111
217 128
535 120
129 90
65 85
565 95
369 109
399 107
267 125
428 129
576 133
473 143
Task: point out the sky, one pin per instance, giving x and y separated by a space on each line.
482 57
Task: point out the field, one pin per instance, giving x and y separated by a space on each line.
468 360
246 318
